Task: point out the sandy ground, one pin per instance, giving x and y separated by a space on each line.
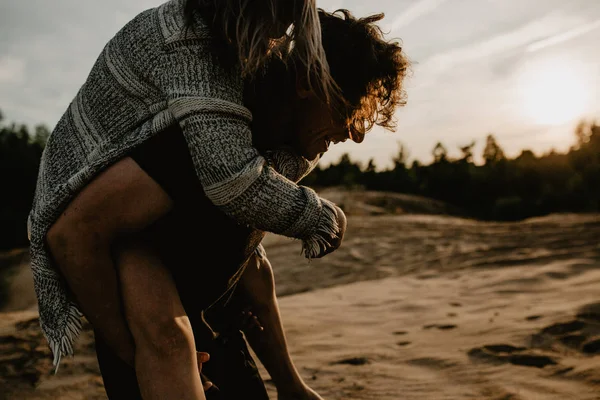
20 295
411 307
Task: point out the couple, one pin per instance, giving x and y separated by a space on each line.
148 216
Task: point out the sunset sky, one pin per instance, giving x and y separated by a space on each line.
525 70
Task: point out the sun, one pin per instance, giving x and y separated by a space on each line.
554 92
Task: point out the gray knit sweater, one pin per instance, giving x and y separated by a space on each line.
151 74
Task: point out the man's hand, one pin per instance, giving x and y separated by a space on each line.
206 383
305 394
249 321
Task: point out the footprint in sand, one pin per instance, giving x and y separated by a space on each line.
533 318
508 354
591 347
353 361
446 327
440 327
581 334
590 312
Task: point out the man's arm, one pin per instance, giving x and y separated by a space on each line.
257 286
256 291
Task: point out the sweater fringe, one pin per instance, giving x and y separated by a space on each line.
63 346
327 230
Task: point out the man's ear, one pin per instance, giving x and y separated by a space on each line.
303 89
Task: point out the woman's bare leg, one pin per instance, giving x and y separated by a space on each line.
120 200
165 358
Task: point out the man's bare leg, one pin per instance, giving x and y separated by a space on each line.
269 343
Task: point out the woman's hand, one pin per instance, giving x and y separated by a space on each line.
342 223
336 242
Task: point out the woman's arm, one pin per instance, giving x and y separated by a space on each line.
206 100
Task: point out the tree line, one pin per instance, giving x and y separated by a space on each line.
501 188
20 152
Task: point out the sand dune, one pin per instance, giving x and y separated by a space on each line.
366 202
411 307
521 333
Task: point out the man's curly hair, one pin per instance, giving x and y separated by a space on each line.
368 70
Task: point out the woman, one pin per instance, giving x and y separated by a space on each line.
181 62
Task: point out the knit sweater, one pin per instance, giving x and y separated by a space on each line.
153 73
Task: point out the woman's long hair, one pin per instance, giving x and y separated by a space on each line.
256 29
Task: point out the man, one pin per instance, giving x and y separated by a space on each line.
285 116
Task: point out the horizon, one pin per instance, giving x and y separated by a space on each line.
526 73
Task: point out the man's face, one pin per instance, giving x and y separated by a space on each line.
315 126
288 113
297 118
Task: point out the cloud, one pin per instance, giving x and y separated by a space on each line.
465 53
48 48
501 43
564 37
414 12
12 70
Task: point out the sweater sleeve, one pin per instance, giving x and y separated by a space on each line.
289 164
206 100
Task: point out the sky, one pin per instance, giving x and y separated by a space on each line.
525 70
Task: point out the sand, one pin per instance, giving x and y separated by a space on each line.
411 307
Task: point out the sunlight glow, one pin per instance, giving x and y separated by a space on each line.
554 92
